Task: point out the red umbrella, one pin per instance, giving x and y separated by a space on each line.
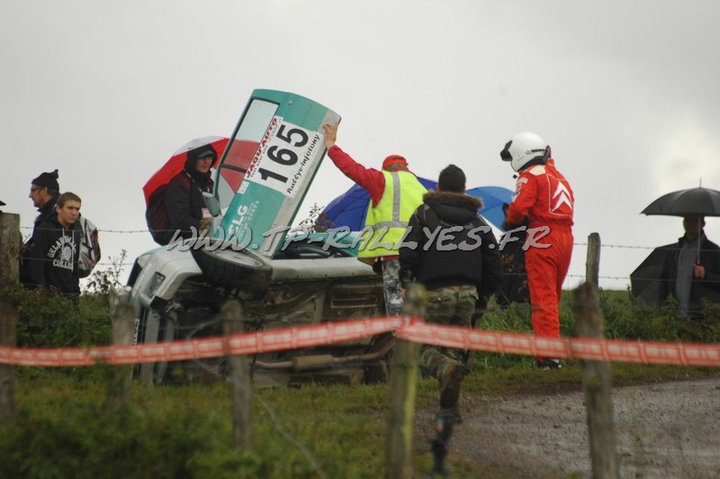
176 163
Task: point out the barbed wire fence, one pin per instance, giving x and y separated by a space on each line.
569 275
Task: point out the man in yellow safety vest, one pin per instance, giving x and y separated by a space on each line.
395 193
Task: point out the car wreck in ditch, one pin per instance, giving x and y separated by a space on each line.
282 278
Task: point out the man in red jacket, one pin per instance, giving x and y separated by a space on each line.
543 195
395 193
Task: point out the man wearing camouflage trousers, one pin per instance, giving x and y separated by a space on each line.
453 253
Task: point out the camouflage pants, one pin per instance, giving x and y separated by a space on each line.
392 287
452 306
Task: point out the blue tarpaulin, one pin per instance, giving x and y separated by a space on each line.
350 208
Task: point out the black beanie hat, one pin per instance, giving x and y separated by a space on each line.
452 178
49 181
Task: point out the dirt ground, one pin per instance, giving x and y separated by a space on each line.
664 430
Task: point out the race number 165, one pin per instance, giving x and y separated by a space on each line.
286 147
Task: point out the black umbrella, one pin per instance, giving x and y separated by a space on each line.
691 202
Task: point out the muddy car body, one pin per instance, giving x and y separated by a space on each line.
282 279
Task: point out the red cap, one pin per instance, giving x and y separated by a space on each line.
394 160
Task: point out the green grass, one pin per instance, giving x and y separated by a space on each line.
62 429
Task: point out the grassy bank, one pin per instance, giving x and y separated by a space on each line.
63 431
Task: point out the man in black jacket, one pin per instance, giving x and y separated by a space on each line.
184 203
453 253
44 191
692 270
54 257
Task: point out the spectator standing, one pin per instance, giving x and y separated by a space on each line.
184 202
44 191
543 195
453 253
395 193
56 248
692 270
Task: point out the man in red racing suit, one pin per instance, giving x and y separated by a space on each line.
546 198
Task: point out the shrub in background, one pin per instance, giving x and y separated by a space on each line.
48 319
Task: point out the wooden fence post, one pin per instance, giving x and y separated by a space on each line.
123 325
233 316
597 375
592 264
7 388
403 388
9 272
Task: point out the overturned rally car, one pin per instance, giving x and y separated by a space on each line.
283 279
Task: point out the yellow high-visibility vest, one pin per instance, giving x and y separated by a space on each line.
386 223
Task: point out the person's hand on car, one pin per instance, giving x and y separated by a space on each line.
330 135
204 226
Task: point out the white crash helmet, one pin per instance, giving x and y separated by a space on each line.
523 148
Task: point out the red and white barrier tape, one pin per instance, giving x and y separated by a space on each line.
409 329
687 354
279 339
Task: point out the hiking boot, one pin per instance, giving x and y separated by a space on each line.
548 363
450 380
449 416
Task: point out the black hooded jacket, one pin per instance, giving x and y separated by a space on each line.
184 200
454 246
45 213
53 260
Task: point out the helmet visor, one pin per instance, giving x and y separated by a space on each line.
505 153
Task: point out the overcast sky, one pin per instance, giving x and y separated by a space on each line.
626 93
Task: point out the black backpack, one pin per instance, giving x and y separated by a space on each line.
156 217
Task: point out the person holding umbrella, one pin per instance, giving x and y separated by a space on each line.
184 202
691 267
692 270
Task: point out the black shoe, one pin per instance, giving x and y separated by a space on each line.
449 416
548 363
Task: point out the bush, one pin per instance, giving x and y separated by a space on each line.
628 317
63 430
48 319
78 438
625 317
